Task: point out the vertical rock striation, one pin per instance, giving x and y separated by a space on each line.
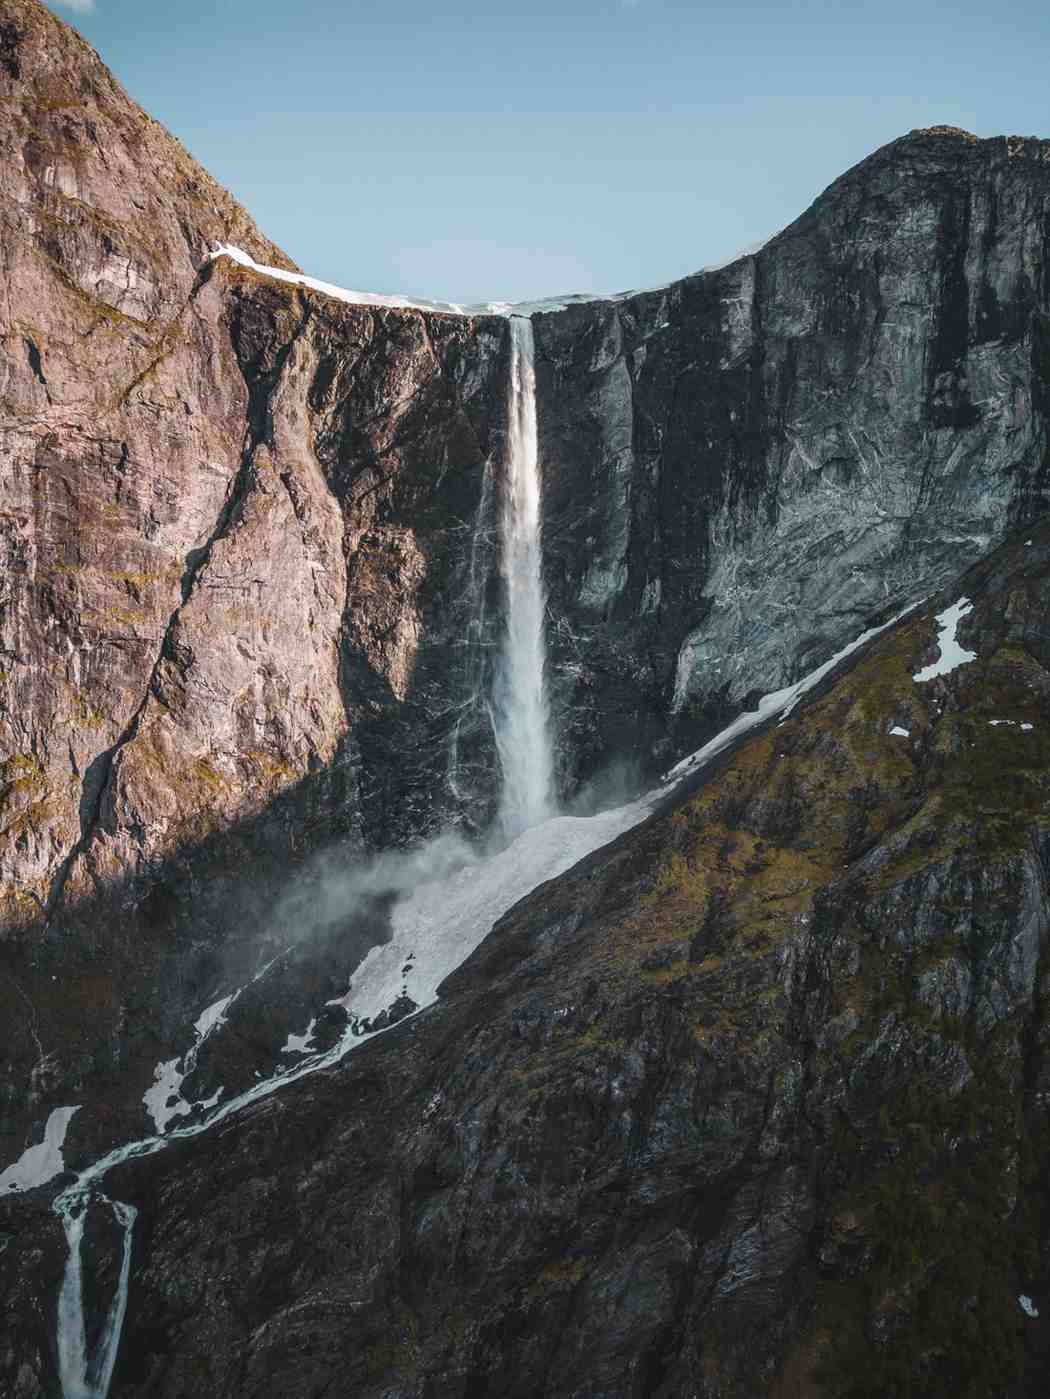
743 466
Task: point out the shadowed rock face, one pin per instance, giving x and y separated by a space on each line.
752 1102
248 604
741 467
236 535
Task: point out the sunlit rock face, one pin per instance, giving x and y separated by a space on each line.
743 466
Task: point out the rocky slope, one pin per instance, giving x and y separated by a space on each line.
753 1102
249 599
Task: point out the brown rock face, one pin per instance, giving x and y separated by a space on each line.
225 514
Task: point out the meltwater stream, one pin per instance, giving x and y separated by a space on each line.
522 721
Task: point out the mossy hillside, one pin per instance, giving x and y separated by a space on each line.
900 857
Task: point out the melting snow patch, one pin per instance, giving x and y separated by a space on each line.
779 702
1028 1306
39 1164
212 1019
444 920
952 654
300 1044
1012 724
900 733
164 1100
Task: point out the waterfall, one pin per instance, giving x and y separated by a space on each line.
521 726
521 718
83 1374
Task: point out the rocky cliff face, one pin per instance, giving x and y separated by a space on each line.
743 466
231 513
248 605
753 1102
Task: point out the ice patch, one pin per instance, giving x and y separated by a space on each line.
300 1044
1028 1306
39 1164
952 654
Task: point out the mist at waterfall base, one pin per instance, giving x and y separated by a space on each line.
441 900
414 914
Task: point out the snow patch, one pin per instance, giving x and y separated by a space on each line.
1028 1306
454 308
300 1044
779 701
39 1164
1011 724
213 1018
899 732
440 924
952 654
164 1099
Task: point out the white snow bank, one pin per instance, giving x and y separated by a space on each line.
300 1044
354 298
454 308
952 654
164 1098
437 927
780 701
39 1164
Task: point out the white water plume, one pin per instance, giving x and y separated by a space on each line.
86 1373
521 714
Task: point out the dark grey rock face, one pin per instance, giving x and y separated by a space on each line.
751 1103
743 467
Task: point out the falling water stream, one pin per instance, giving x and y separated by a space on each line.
522 721
522 731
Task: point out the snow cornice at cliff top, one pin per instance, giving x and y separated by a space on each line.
453 308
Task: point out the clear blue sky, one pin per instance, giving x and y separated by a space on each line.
472 150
